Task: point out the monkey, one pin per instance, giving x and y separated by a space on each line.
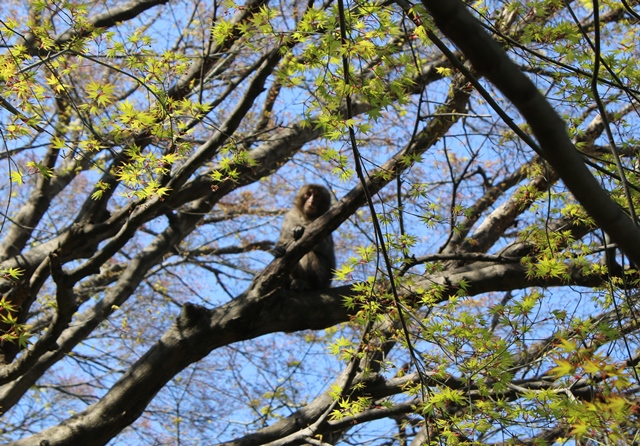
314 270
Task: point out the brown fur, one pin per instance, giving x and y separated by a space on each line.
314 270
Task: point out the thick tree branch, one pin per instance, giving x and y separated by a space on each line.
198 331
490 60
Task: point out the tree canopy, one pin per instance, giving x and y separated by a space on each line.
483 163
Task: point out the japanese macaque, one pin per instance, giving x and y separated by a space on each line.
314 270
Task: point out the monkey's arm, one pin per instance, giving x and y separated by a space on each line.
292 229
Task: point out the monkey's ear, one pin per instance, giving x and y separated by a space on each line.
297 232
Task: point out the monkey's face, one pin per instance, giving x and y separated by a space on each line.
313 204
312 200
